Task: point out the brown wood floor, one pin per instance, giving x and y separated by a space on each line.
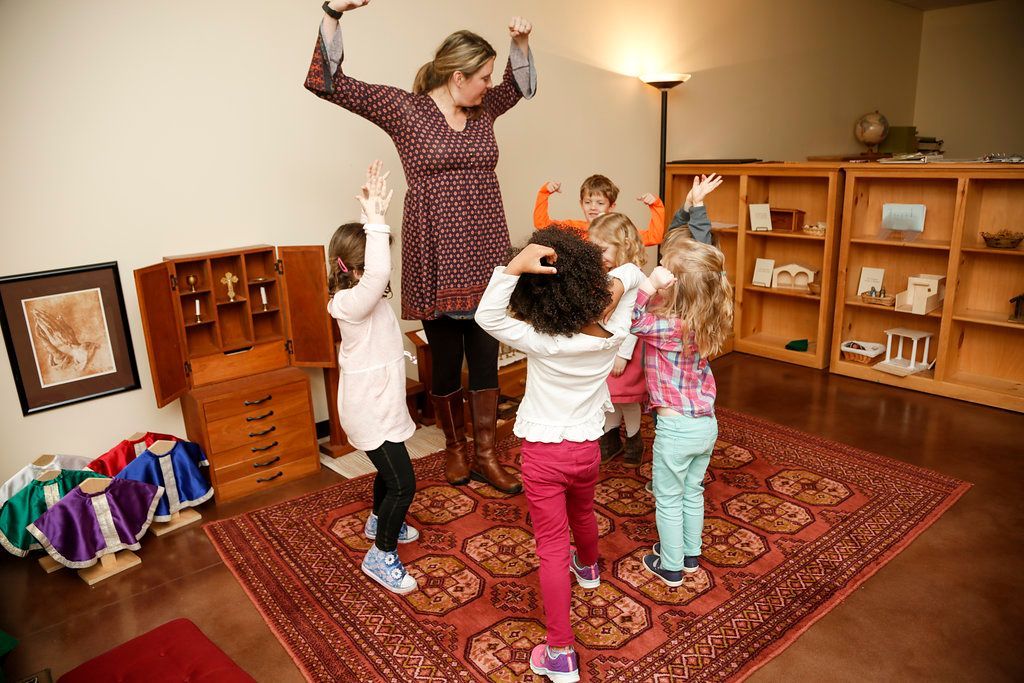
948 608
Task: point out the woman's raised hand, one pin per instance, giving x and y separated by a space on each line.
519 30
346 5
374 196
529 261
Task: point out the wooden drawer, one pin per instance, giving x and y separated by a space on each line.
254 423
264 448
274 476
262 463
255 401
512 379
222 367
226 435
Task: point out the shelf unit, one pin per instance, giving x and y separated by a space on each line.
766 319
978 353
232 363
232 336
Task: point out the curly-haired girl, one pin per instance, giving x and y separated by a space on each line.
620 244
683 313
558 292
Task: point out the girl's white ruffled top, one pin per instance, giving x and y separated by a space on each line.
566 389
371 390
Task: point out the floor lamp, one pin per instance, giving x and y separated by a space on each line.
664 83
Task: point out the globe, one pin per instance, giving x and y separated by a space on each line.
871 129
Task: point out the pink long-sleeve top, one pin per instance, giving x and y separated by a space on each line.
371 391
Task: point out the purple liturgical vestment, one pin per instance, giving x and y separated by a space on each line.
82 527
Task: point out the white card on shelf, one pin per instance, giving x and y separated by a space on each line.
763 269
760 217
870 277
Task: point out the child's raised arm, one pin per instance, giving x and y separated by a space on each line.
700 224
655 232
492 311
541 218
355 304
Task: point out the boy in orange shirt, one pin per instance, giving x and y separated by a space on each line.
597 196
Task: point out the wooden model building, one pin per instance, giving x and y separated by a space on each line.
923 295
1018 309
793 276
899 365
224 332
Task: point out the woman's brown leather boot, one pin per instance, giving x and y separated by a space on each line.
451 419
485 466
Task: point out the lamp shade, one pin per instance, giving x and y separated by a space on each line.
664 81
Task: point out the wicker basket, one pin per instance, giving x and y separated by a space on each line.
1004 239
814 230
887 301
866 355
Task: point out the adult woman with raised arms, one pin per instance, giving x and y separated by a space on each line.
453 225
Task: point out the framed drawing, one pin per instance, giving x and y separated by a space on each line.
67 335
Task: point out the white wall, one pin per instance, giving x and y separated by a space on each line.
970 84
130 131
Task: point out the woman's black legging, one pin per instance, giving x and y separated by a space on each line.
450 339
393 490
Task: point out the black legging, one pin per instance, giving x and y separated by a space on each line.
393 490
451 339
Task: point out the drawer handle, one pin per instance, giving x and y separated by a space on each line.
260 417
259 400
264 480
269 462
257 449
266 431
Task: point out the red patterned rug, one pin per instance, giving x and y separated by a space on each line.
794 524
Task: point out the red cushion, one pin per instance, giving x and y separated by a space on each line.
175 652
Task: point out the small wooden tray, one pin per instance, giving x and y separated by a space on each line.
888 301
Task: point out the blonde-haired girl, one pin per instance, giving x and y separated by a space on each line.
620 244
683 313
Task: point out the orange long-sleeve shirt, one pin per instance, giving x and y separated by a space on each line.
653 235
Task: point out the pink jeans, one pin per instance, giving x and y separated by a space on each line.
559 480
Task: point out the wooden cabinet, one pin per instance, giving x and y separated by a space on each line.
766 319
217 347
977 353
257 432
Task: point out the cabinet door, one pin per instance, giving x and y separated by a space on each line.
304 283
163 327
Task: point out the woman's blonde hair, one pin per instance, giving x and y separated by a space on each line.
617 230
348 244
462 51
701 297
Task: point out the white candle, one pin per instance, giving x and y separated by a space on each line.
197 308
263 296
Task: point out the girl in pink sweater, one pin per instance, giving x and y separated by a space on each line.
371 392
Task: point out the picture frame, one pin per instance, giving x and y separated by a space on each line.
67 335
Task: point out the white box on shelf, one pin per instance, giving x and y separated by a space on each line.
923 295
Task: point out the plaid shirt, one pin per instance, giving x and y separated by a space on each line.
677 376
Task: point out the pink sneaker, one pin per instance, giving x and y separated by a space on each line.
588 577
561 667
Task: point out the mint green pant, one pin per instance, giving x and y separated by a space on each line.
682 451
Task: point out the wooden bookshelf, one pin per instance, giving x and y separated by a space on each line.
766 319
978 353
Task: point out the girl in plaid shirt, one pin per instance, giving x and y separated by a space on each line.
683 313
